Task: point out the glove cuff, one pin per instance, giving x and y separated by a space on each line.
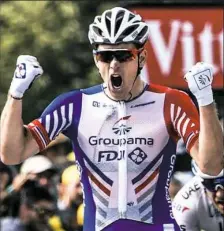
205 100
15 93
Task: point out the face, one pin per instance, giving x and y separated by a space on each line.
119 76
217 198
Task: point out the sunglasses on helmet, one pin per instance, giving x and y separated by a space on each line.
214 184
121 55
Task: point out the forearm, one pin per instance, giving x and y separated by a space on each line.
12 132
210 150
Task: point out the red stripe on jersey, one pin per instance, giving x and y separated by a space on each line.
99 184
36 137
43 130
33 126
147 181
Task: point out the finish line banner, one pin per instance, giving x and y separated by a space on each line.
179 38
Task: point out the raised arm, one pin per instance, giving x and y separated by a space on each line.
16 142
208 150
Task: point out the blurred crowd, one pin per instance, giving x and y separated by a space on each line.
42 194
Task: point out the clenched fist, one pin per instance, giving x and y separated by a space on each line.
27 70
199 80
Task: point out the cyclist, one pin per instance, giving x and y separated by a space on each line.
124 131
200 203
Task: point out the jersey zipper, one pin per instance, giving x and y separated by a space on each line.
122 164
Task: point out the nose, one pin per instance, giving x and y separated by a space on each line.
114 64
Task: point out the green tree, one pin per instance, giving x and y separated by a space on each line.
56 33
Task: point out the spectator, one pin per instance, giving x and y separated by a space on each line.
69 196
8 203
199 205
36 207
41 168
6 177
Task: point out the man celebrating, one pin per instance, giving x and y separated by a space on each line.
124 131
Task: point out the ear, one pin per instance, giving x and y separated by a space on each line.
96 62
142 58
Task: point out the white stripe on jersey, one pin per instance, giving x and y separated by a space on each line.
185 126
55 114
180 131
70 114
189 139
177 116
48 123
63 119
172 112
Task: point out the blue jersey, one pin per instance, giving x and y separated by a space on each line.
125 152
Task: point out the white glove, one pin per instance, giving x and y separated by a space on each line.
27 70
199 80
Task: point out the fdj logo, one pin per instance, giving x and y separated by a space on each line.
110 156
137 156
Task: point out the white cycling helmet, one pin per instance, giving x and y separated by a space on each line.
118 25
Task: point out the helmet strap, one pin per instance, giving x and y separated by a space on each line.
137 74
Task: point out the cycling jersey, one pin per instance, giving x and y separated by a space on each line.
125 151
194 211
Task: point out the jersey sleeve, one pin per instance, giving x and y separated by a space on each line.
182 117
185 213
56 118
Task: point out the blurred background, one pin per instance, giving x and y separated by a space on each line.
45 193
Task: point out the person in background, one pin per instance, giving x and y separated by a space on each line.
40 168
199 205
37 170
6 177
8 203
80 217
70 196
37 207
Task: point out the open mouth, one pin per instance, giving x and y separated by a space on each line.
116 81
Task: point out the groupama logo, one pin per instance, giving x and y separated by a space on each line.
121 129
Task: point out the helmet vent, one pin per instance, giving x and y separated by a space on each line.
129 30
142 32
97 30
108 21
119 21
131 16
